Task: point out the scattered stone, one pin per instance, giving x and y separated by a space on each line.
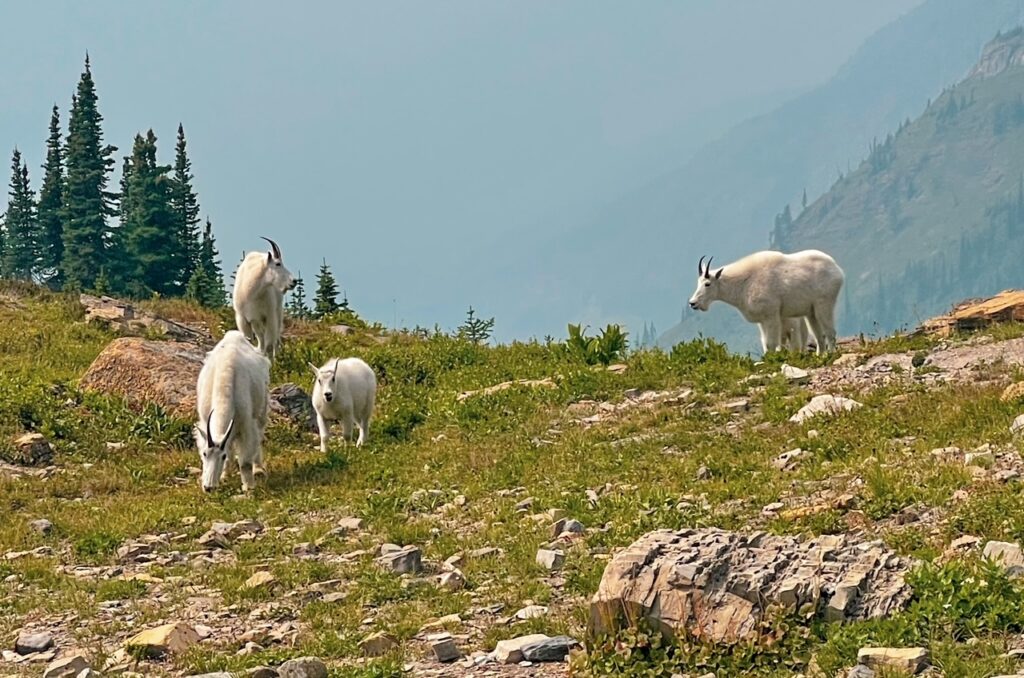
719 584
551 559
525 504
532 612
378 644
703 472
909 659
511 651
147 372
303 667
305 549
133 551
547 382
259 580
444 648
485 552
1007 554
32 449
406 560
795 375
549 650
66 667
738 405
42 526
824 404
217 674
351 524
787 460
773 508
983 458
29 642
173 638
290 402
1018 424
967 541
452 580
262 672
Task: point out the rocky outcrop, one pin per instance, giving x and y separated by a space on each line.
720 585
123 318
290 402
1005 51
147 372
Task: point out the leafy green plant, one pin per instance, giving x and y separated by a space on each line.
602 349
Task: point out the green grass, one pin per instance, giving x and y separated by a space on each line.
427 448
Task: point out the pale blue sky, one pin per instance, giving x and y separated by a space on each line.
391 137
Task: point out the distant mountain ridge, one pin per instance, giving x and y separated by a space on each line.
635 259
935 213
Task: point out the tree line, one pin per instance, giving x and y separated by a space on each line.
142 240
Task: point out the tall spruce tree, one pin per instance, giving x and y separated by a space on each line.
296 306
326 300
87 204
50 212
206 284
21 241
150 236
185 205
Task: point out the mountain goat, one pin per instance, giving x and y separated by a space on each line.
347 390
258 298
794 334
769 288
231 401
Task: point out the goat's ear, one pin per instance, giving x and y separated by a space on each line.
316 370
270 258
719 274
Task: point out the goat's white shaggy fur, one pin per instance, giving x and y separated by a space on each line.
231 401
346 390
794 334
258 298
768 287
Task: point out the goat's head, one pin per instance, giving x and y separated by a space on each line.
212 454
325 378
282 278
707 286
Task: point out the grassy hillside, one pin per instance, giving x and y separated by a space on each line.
936 211
453 476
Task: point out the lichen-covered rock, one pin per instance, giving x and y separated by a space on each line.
718 585
824 405
290 402
147 372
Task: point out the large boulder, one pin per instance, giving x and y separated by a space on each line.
719 585
290 402
147 372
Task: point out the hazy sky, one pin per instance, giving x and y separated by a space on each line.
390 137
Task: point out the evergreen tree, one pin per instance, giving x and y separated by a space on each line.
475 329
21 242
150 235
87 204
326 301
185 205
654 337
803 201
50 211
211 278
296 306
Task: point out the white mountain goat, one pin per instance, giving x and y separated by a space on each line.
770 287
794 334
258 298
347 390
231 401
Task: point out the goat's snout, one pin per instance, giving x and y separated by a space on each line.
207 489
693 305
328 397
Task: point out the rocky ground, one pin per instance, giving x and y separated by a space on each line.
510 504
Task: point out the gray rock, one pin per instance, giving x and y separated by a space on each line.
42 526
550 559
795 375
33 641
452 581
261 672
1007 554
860 671
290 402
721 583
32 449
378 644
443 647
532 612
550 649
218 674
824 405
511 651
1018 424
66 667
908 659
788 460
303 667
406 560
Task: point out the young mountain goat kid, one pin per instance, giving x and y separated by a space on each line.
347 390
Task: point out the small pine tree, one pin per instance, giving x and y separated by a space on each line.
21 241
87 204
206 283
803 201
476 330
185 206
326 301
344 305
50 211
296 306
102 284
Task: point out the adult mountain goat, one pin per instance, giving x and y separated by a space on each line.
347 390
258 298
231 401
769 288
